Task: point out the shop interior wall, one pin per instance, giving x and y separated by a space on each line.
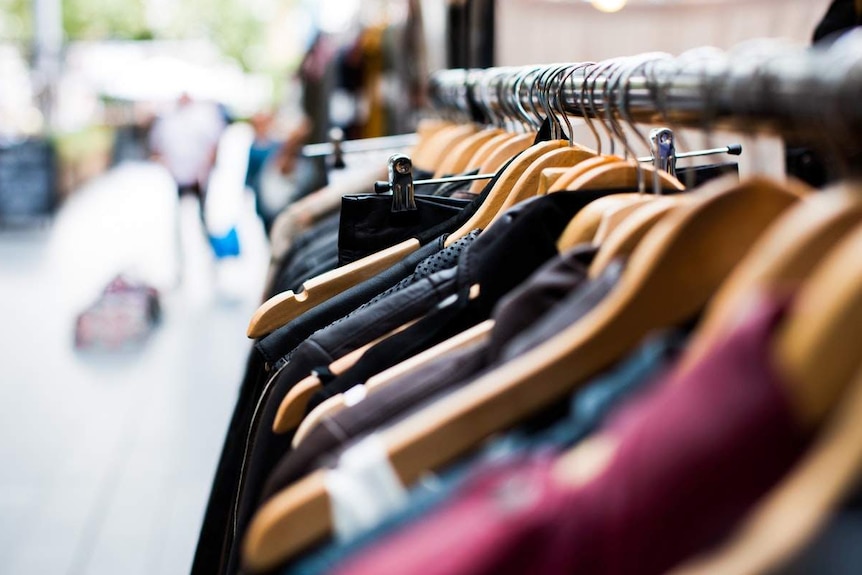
542 31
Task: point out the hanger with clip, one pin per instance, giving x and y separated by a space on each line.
282 308
586 224
293 406
662 285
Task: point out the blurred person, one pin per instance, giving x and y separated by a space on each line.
262 147
276 171
185 140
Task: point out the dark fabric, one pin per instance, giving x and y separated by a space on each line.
688 460
501 258
807 165
216 538
835 550
286 280
445 374
558 318
840 17
694 176
208 553
375 410
280 342
407 300
588 408
445 259
323 251
368 224
521 307
265 447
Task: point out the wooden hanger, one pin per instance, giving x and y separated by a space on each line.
291 410
563 181
337 403
624 174
667 280
613 217
582 228
794 246
284 307
503 187
623 240
292 407
426 129
482 153
497 157
527 185
796 509
817 347
548 178
458 158
279 310
440 144
618 174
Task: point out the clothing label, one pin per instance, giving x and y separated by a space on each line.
354 395
364 489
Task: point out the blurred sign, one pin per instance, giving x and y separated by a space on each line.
27 179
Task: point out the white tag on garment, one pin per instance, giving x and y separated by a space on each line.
364 489
354 395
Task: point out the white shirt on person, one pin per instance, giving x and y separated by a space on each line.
186 139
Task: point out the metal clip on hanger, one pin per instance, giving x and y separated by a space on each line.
401 182
663 150
336 136
731 149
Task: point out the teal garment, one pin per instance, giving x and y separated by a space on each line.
587 410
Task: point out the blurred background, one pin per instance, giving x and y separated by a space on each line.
113 422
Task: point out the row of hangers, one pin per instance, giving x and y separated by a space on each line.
711 248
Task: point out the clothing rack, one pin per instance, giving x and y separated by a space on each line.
358 146
764 86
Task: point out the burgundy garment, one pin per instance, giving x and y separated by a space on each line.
691 457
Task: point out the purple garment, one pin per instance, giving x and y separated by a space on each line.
690 459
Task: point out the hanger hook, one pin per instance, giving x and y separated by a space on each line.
540 85
595 73
578 97
624 108
588 106
535 75
566 72
612 86
487 83
555 108
520 78
501 90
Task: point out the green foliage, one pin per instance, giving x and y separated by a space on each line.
16 24
105 19
232 25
